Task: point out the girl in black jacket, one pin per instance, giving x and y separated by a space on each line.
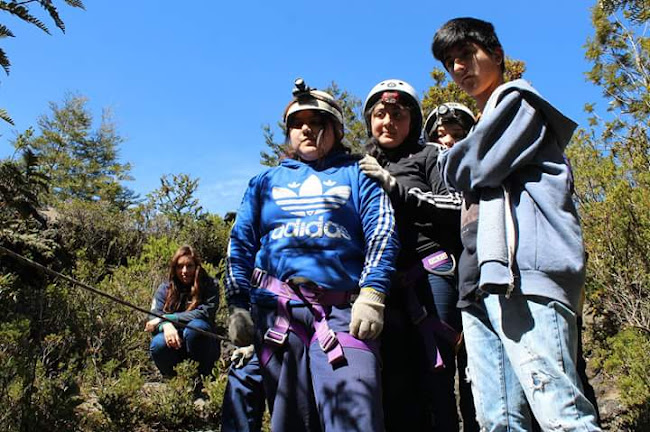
422 325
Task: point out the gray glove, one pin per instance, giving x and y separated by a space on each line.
241 356
240 327
367 319
372 169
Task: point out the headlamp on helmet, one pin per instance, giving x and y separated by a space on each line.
307 98
395 91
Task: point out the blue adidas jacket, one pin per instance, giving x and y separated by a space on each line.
325 221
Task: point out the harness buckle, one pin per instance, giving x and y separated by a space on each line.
423 314
257 277
306 289
275 337
328 341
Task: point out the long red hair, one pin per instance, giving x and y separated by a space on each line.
172 301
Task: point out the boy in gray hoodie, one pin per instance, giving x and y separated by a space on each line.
522 271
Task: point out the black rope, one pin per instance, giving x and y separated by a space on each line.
87 287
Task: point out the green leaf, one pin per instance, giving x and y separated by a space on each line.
4 61
76 3
4 115
54 14
22 12
5 32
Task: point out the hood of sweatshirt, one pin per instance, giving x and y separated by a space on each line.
562 126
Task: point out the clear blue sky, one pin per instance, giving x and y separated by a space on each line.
191 83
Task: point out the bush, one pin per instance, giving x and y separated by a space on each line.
120 403
625 361
100 235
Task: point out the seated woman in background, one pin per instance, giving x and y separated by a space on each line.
189 296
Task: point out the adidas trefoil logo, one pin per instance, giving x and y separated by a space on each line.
310 198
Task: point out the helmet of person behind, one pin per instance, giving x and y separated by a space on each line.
449 112
406 95
307 98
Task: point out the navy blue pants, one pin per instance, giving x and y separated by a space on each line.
243 402
195 346
305 393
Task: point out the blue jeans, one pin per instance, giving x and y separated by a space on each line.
522 351
244 400
195 346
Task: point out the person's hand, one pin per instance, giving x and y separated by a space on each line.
151 325
367 319
372 169
172 338
241 356
240 327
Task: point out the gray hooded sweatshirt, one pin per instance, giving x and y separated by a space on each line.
518 147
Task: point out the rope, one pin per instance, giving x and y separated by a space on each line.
95 291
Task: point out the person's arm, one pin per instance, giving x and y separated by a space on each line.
381 248
382 244
243 246
240 261
435 207
504 140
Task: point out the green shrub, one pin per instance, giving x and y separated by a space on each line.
626 361
121 403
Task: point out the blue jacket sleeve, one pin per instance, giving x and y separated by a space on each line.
243 246
381 241
505 139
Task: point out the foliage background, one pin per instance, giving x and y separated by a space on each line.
72 361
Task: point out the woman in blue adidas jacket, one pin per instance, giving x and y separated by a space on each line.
324 233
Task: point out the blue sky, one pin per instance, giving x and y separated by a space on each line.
190 84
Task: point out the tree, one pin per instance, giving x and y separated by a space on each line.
612 174
355 128
612 162
80 162
25 319
20 9
175 199
636 10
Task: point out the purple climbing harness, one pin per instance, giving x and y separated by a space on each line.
317 299
429 326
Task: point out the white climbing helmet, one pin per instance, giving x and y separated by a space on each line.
406 95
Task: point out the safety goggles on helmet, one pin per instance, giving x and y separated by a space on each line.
450 112
307 98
